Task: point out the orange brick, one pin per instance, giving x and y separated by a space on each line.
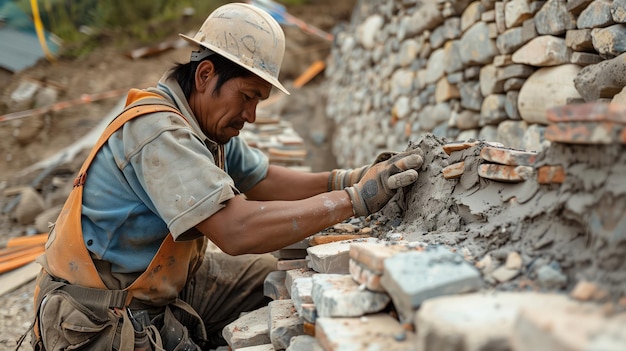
454 171
589 112
550 175
458 146
590 133
508 156
505 173
308 328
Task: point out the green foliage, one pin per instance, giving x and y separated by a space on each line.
85 24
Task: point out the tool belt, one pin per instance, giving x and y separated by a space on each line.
75 317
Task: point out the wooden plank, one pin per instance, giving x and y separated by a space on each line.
16 278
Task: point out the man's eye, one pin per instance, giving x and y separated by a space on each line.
246 98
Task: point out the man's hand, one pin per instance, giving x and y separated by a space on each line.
340 179
379 184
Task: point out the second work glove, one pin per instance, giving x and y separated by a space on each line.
379 184
340 179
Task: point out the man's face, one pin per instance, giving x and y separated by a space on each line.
223 114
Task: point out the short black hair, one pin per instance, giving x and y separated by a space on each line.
184 73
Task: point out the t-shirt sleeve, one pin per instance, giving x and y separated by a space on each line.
246 165
175 170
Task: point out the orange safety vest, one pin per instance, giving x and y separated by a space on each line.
67 255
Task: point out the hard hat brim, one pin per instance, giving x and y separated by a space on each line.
266 77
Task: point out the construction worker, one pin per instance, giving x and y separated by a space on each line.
126 265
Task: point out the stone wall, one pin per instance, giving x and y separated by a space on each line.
459 69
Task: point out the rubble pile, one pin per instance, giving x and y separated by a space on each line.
513 250
462 69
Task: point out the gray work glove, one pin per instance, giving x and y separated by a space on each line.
340 179
379 184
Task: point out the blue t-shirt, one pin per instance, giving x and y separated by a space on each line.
157 175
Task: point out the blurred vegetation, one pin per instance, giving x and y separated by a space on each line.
82 25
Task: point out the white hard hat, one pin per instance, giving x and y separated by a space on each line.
246 35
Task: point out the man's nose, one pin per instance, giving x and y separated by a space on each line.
249 113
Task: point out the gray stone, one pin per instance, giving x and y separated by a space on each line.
543 51
467 119
467 134
471 97
529 30
408 52
534 139
374 332
488 82
441 273
492 109
547 87
579 40
513 84
510 105
471 14
451 29
368 30
502 60
514 71
511 134
551 278
472 72
251 329
427 17
618 11
30 205
500 16
488 16
401 82
602 80
284 323
510 40
585 58
488 133
610 41
435 67
597 14
476 46
445 91
452 57
516 12
337 295
402 107
553 18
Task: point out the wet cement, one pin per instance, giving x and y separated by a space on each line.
577 227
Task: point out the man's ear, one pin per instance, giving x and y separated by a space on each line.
204 73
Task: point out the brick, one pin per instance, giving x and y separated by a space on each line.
333 257
337 295
366 276
294 274
289 254
550 175
477 321
454 171
588 112
374 332
284 323
586 133
274 286
505 173
441 272
251 329
304 342
508 156
575 327
301 293
373 255
285 265
585 291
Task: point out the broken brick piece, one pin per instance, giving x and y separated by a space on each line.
505 173
550 175
590 133
372 255
286 265
458 146
508 156
454 171
589 112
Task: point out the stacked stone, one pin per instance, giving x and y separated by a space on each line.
459 69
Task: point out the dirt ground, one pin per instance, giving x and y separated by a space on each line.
28 140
